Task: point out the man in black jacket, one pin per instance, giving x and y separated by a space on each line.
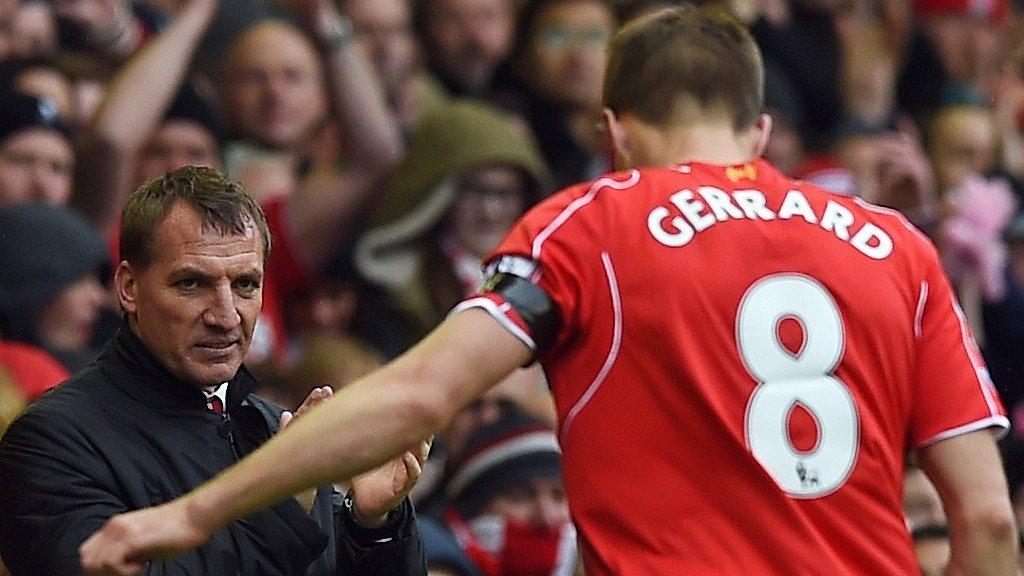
168 405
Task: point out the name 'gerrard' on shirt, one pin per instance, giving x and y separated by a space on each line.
693 216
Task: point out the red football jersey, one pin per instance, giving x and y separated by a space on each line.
742 362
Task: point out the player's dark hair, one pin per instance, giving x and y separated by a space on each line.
703 55
222 204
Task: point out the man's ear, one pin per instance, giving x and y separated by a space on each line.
617 138
762 133
126 282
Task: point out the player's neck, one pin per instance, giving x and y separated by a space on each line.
705 142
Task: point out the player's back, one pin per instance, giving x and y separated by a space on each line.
741 369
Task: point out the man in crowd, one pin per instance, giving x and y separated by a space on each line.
739 360
168 405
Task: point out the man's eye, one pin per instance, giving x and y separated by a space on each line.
187 284
248 285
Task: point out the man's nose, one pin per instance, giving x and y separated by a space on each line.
221 312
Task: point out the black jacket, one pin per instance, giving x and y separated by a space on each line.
124 434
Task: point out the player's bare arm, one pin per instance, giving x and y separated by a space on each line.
967 472
406 402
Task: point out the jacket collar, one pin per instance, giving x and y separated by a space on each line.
138 373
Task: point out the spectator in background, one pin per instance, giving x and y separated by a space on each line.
112 29
325 360
36 156
443 214
931 546
921 503
27 29
385 30
40 77
31 370
465 41
558 62
507 507
51 266
966 37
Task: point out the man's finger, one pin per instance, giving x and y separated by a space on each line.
286 418
412 467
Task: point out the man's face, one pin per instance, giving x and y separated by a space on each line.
36 165
565 61
384 28
275 91
196 304
175 144
468 39
539 502
965 144
66 323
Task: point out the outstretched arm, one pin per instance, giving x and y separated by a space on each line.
968 474
327 204
132 110
362 426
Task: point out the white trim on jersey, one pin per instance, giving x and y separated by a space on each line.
919 315
980 372
894 213
575 205
613 353
989 422
491 308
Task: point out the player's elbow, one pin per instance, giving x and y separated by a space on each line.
991 519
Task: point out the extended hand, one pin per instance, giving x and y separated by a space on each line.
127 541
381 490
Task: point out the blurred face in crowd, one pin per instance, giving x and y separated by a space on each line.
921 503
384 28
968 47
36 165
963 143
565 57
275 92
175 144
488 202
66 323
540 502
468 39
195 305
27 29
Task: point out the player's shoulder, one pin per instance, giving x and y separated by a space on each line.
569 203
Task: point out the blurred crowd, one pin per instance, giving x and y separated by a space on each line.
392 144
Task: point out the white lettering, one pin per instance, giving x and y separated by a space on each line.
795 203
691 208
753 204
838 219
719 202
683 232
872 241
678 228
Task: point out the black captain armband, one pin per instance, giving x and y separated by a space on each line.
509 277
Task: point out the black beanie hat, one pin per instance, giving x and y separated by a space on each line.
499 455
23 112
43 250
